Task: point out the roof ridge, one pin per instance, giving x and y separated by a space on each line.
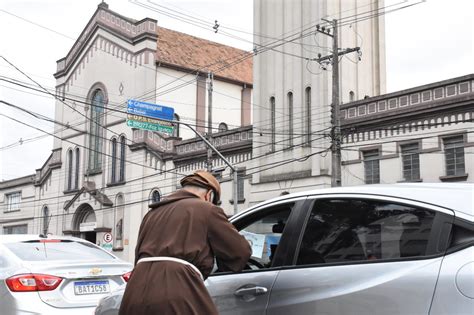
198 38
184 51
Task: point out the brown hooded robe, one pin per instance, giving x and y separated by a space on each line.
186 227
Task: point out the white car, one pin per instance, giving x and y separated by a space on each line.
56 275
374 249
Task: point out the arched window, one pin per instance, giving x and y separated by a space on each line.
118 222
307 103
45 220
113 160
176 126
76 170
69 171
122 159
223 127
155 196
96 130
272 123
290 119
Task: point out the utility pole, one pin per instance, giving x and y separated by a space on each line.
211 148
232 168
209 120
335 106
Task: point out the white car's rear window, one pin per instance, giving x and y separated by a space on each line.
47 250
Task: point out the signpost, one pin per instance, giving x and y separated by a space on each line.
149 126
150 116
108 238
107 244
159 118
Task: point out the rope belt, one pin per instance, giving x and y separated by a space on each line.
165 258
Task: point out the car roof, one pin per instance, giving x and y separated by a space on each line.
453 196
15 238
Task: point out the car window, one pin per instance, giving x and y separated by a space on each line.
344 230
263 231
57 250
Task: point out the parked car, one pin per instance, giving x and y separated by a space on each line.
374 249
56 275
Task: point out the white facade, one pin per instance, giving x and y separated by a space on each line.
285 70
424 134
101 174
18 205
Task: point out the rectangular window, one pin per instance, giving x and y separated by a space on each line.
308 116
16 229
264 230
122 160
273 124
372 166
113 167
76 170
41 251
13 201
347 230
290 120
240 186
410 161
454 156
69 170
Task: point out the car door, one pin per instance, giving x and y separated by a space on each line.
269 230
364 255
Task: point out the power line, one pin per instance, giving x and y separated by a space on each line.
391 128
278 163
197 125
245 56
57 98
253 158
73 143
154 69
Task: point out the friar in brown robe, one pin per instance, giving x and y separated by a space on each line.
184 225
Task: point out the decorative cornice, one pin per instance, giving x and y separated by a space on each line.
421 150
419 100
238 139
114 23
16 220
285 176
90 188
11 183
53 162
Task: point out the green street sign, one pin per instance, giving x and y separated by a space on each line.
149 126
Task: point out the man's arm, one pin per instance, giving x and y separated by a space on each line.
230 248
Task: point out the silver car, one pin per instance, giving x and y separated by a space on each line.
55 275
374 249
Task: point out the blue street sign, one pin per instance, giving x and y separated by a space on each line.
150 110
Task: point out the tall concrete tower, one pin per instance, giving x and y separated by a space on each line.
292 92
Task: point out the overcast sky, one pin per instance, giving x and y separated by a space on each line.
426 43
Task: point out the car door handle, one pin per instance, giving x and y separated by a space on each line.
253 290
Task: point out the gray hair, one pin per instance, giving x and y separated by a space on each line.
199 189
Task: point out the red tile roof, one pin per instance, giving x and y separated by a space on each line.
186 51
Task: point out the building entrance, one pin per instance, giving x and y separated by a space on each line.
85 223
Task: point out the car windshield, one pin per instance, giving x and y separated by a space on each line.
48 250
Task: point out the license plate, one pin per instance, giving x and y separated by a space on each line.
91 287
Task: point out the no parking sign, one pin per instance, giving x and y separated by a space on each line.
108 238
107 245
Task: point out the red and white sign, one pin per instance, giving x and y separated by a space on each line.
108 238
